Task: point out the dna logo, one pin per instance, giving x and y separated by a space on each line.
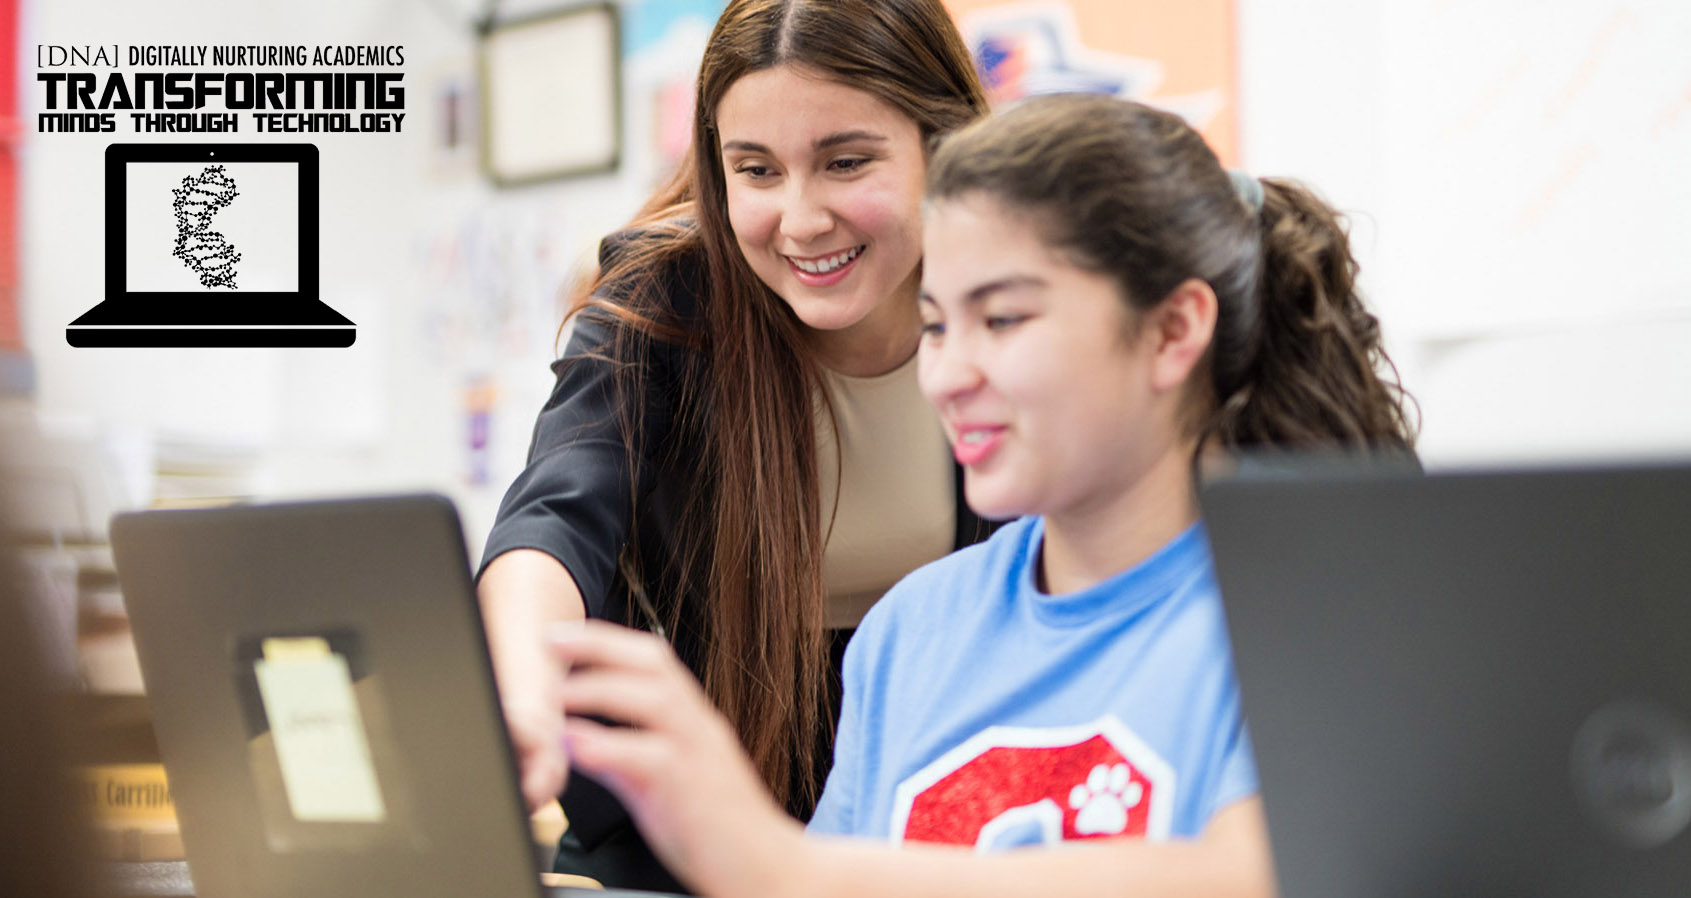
207 253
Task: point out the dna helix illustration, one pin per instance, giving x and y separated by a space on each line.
207 253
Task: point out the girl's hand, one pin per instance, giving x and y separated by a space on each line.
677 765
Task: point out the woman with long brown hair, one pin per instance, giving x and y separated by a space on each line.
735 454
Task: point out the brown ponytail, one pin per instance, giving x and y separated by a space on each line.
1307 370
1135 193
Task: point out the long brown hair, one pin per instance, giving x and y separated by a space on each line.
752 537
1134 193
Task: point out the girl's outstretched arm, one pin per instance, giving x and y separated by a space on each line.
1230 860
683 775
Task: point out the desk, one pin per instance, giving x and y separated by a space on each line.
154 879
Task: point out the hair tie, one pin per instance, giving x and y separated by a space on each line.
1247 187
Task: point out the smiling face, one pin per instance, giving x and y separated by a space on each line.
1050 397
824 187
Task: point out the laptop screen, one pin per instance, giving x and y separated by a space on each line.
230 227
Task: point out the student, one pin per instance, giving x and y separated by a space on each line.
736 454
1102 306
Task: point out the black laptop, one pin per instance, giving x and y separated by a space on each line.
1466 684
323 701
211 245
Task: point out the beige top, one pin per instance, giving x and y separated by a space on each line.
890 488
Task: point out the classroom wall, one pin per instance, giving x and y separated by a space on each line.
1513 177
1516 176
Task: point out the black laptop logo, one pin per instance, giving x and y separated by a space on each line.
1632 773
211 245
206 252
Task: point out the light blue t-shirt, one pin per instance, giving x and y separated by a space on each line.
980 711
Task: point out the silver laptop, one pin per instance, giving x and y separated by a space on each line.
323 701
1466 684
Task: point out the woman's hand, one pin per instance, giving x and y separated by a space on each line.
531 699
522 593
677 765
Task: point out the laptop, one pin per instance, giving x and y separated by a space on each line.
211 245
1468 683
324 702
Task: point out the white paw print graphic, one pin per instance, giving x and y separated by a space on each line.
1103 800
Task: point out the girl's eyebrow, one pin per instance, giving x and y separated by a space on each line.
823 143
981 292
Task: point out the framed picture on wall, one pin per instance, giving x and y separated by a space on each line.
551 95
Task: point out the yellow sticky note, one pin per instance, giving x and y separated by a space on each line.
290 648
319 734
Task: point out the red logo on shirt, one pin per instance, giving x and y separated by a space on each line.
1014 786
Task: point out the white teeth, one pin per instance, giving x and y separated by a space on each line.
974 436
829 264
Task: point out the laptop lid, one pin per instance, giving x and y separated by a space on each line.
323 700
1466 684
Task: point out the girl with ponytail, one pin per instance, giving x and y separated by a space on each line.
1294 356
1102 304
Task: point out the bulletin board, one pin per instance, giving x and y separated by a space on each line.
552 95
11 337
1179 56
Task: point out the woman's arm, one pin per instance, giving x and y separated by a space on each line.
552 553
679 769
554 544
523 593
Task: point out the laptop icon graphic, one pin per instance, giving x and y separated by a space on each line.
211 245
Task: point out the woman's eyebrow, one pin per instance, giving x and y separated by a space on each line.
747 146
822 143
839 137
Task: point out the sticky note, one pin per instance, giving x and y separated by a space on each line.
287 648
319 734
